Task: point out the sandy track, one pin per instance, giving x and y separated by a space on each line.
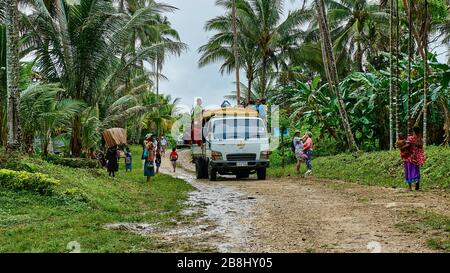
313 215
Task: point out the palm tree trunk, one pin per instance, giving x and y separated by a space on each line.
157 76
330 65
397 72
359 57
12 74
236 54
446 112
76 137
263 76
44 146
28 142
419 30
391 69
249 91
425 78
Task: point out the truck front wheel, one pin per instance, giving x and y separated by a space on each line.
212 174
261 173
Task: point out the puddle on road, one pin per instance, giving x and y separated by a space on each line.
223 210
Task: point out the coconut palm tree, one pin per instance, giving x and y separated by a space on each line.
220 47
3 85
330 67
81 45
263 31
267 26
44 114
357 27
12 73
161 118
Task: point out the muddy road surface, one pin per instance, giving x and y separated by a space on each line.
301 215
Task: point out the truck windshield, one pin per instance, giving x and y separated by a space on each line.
239 128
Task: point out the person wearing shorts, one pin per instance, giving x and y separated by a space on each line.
174 158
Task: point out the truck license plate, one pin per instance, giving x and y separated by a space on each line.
242 164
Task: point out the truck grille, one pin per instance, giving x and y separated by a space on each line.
241 157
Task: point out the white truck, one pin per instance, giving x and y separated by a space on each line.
230 141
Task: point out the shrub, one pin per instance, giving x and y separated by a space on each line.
14 161
81 163
21 180
76 194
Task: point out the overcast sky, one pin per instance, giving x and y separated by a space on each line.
186 80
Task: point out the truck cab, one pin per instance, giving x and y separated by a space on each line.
230 141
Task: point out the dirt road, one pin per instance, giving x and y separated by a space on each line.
306 215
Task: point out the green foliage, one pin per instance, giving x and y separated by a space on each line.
21 180
76 194
44 113
312 106
15 162
377 168
38 223
83 163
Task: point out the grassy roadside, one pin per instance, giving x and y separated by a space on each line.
376 168
434 226
30 222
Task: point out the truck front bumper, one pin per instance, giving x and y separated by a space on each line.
234 165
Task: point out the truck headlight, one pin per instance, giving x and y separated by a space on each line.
216 155
264 155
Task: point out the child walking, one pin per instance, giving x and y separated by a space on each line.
128 160
174 158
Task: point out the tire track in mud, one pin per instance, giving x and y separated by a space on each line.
223 212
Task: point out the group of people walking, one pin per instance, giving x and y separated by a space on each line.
111 160
152 153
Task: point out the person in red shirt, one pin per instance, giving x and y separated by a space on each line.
173 158
307 150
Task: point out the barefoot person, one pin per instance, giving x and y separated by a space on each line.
173 158
148 156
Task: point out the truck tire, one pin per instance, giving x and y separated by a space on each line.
261 173
212 174
198 169
201 170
